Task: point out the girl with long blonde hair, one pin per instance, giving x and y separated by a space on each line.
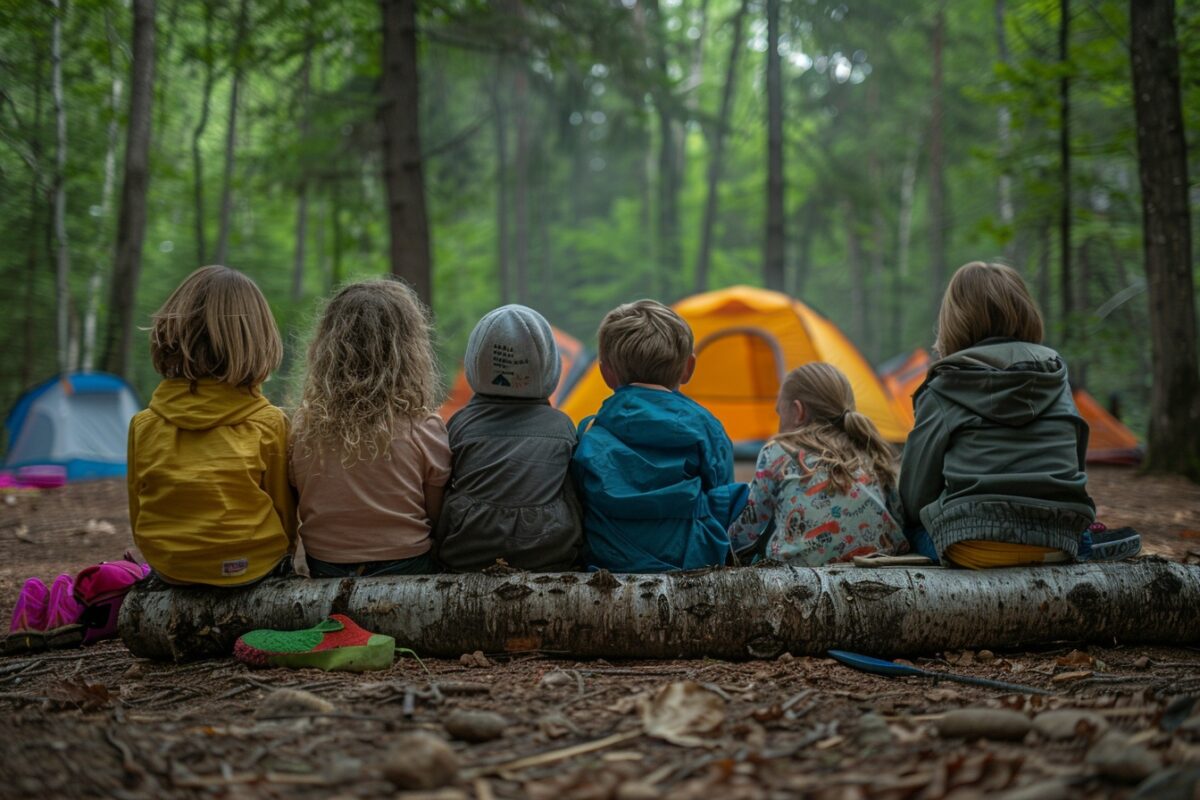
370 456
824 486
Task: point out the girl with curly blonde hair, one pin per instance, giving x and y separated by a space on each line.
370 456
824 488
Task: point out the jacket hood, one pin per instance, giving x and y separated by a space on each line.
211 405
638 414
1010 383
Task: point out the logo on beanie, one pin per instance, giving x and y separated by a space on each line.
500 380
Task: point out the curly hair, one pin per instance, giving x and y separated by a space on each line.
841 439
371 366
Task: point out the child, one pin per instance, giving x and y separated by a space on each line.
994 469
209 499
822 487
655 469
369 456
510 496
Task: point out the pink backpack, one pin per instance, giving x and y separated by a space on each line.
101 588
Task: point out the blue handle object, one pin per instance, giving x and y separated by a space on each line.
891 669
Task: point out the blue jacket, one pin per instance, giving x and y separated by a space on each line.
655 475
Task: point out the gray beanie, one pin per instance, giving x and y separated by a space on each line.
512 353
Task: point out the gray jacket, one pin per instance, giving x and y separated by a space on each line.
510 495
998 450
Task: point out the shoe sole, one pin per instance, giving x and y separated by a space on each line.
363 658
1116 551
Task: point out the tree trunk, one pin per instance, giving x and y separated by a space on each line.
36 207
500 128
225 221
716 162
521 184
749 612
62 272
1064 154
1004 138
1174 440
937 173
908 187
88 361
299 251
776 241
408 225
198 133
1043 279
131 221
854 265
669 249
803 263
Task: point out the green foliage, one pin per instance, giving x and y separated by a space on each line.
857 84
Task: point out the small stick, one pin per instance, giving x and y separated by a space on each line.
558 755
410 702
483 790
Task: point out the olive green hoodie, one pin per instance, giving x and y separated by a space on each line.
997 453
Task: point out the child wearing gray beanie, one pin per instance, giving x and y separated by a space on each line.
510 495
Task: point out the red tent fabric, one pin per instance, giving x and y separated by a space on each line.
1110 441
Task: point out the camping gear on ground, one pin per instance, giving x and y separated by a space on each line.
42 476
101 588
890 669
1109 441
335 643
575 361
45 618
746 341
77 422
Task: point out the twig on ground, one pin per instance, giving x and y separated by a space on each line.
553 755
128 764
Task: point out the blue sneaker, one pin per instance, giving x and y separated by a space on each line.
1098 543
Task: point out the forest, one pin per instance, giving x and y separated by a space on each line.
575 155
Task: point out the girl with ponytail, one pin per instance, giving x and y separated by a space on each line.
824 488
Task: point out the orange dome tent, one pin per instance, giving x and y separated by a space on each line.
574 358
747 339
1110 441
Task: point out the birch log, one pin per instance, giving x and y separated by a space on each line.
753 612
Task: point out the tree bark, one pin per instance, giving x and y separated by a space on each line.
521 184
408 225
131 221
299 250
88 360
36 207
669 249
62 271
1064 155
225 220
773 259
1174 439
908 188
716 161
937 172
1004 138
854 265
198 133
500 129
749 612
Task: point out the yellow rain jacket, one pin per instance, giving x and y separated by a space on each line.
209 498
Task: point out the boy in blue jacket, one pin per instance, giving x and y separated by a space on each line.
654 469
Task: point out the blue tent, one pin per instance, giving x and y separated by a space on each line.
79 421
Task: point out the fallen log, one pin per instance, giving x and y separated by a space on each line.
752 612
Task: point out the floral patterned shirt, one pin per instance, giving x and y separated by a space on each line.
814 523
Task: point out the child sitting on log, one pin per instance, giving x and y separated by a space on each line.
510 495
824 488
370 456
654 469
994 468
209 498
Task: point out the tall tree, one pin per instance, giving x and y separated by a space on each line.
131 222
500 129
88 357
404 178
299 249
1174 441
198 133
62 292
937 169
237 57
775 239
521 265
1004 134
1066 302
669 180
716 159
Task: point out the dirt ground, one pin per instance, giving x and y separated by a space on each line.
101 723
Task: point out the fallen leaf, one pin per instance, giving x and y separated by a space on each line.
22 533
79 694
942 695
680 711
93 526
1075 658
1189 534
1067 677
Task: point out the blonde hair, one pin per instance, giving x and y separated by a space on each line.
216 324
371 365
985 301
842 440
645 342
